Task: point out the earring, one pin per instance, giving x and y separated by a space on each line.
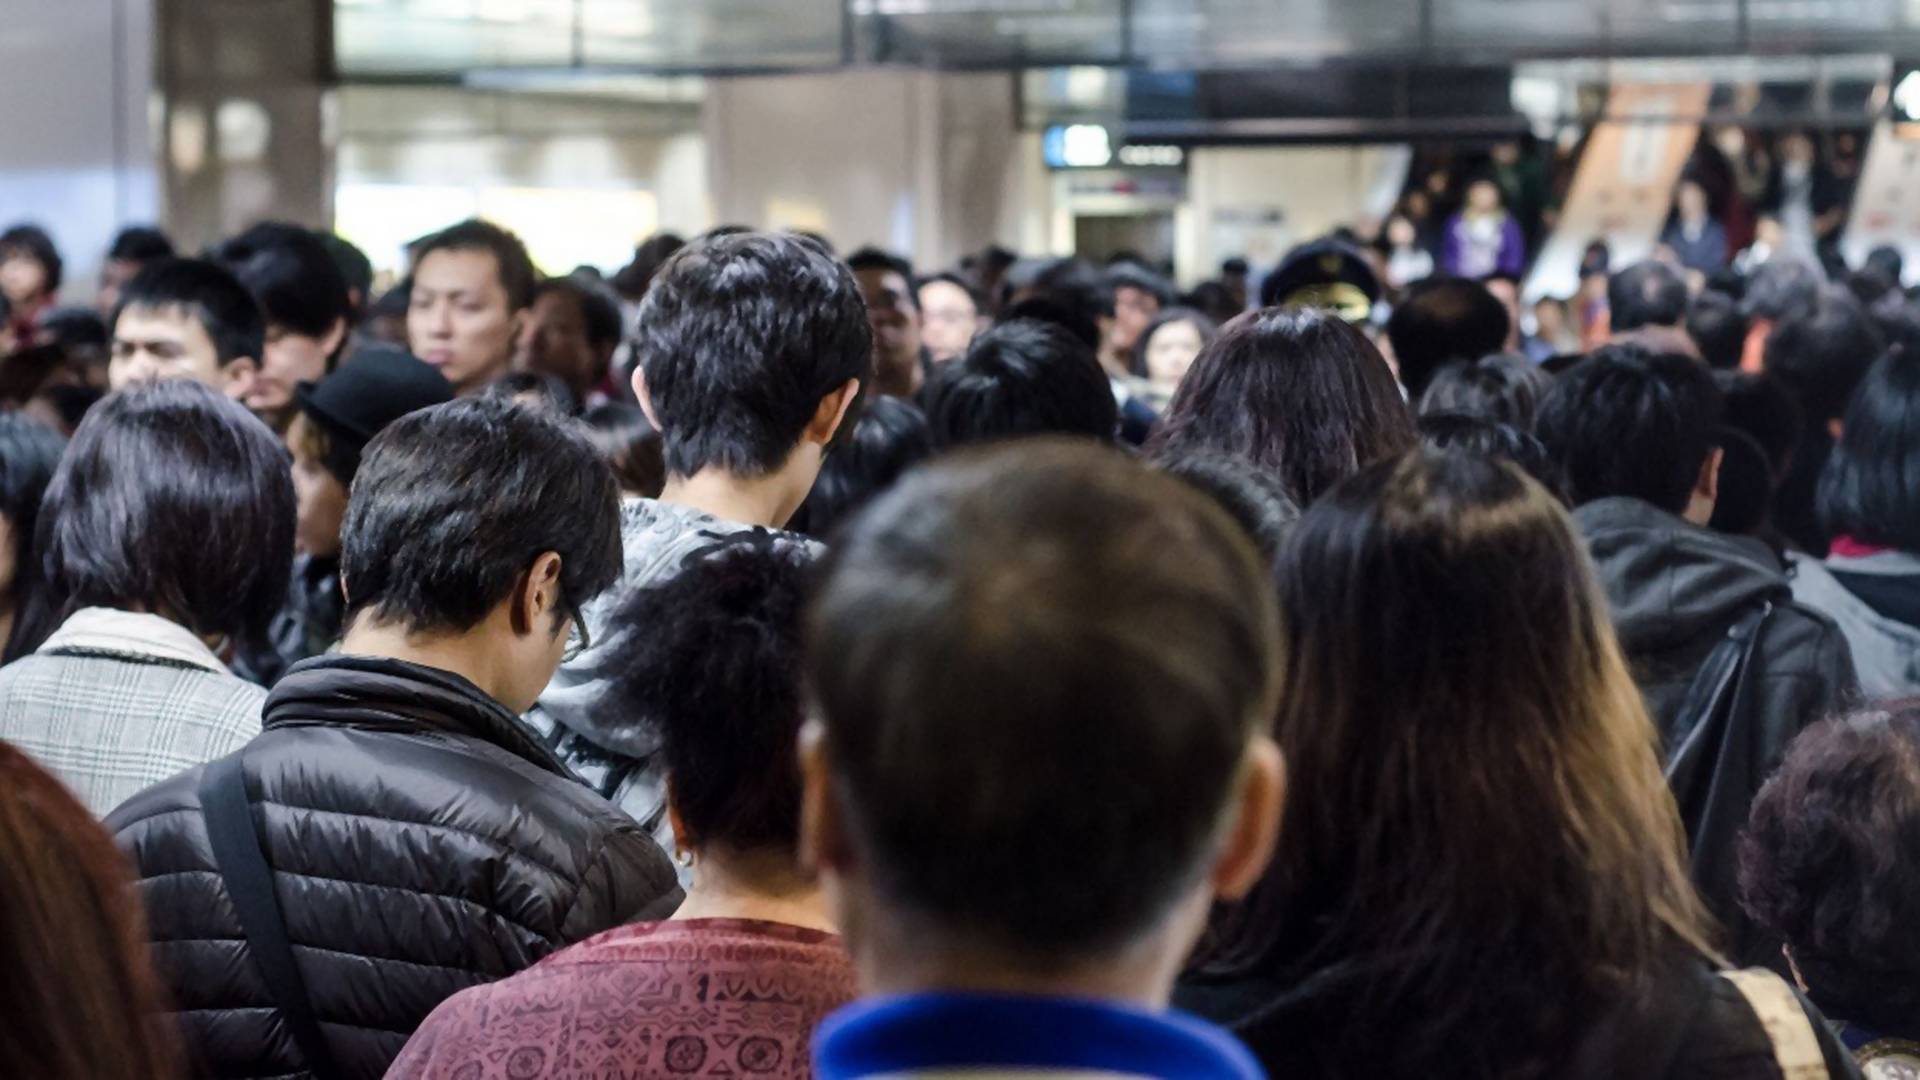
683 857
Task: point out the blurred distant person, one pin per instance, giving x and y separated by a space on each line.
1782 289
1647 305
29 453
950 311
1767 242
1407 260
187 319
1483 238
30 273
893 310
1805 197
1237 277
571 333
1821 356
1166 349
83 1002
630 443
1044 678
1443 321
307 307
1138 297
1694 237
1330 275
1507 290
1021 378
1552 333
133 248
890 437
472 286
355 269
1717 328
1504 388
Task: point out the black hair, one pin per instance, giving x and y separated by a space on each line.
1870 286
1299 392
125 523
1489 437
633 279
1502 388
1823 863
29 453
1870 490
1765 411
958 281
1718 329
1251 496
435 549
1781 289
549 392
33 242
139 244
1132 275
1071 283
1744 494
598 311
1822 354
354 266
1003 612
1886 261
1630 422
1137 363
1023 377
511 262
296 283
1235 265
630 444
206 293
739 339
872 258
890 437
1071 318
1648 293
709 660
1442 320
70 403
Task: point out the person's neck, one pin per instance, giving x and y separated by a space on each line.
735 888
462 654
762 500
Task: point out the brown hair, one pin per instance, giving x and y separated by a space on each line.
80 998
1478 843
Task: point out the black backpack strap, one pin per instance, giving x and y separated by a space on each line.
249 881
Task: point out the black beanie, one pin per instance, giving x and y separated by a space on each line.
375 386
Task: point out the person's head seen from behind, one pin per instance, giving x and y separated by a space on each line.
1023 377
1441 321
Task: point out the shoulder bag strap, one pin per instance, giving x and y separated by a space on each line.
1796 1050
249 881
1709 697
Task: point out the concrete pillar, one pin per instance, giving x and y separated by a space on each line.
75 151
243 88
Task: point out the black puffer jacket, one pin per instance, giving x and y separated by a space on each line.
1675 590
421 842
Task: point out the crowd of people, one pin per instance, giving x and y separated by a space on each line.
760 661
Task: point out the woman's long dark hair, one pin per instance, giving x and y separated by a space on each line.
29 452
1298 392
80 998
1870 490
1479 851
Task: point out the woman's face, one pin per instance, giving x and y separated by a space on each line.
1400 232
1483 197
1170 352
320 506
22 279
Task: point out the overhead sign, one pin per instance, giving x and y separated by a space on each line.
1092 146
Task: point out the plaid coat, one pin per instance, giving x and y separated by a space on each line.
116 701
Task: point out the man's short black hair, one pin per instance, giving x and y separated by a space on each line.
1822 353
1038 670
1766 411
1648 293
1023 377
1781 289
1502 388
957 281
435 542
206 293
291 276
1629 422
1443 320
33 241
598 309
517 275
1718 329
139 244
1129 275
739 339
1255 499
872 258
1067 281
353 264
175 500
1471 434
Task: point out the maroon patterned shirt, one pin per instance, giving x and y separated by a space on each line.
704 997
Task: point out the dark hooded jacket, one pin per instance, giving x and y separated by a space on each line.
421 841
1675 591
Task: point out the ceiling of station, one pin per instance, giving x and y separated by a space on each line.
450 38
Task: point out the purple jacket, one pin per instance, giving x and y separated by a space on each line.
1461 256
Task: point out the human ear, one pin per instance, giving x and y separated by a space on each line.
538 596
832 412
1255 829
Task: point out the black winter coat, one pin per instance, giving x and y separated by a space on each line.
422 842
1675 590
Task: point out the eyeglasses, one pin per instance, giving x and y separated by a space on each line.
579 638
